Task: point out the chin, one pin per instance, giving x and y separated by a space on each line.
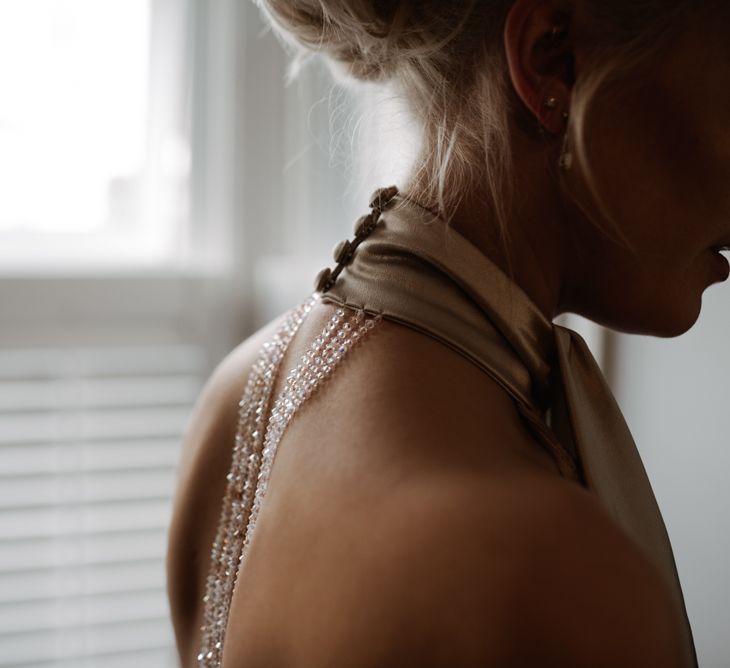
671 321
666 319
673 329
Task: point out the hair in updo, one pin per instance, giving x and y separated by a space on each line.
370 39
447 59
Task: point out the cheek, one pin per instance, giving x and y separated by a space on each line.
641 156
711 174
659 167
702 105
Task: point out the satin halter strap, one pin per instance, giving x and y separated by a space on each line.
415 270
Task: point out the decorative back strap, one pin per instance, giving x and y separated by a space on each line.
257 439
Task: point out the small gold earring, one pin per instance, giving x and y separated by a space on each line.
551 102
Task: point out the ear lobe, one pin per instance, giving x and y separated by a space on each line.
539 60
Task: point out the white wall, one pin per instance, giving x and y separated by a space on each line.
674 394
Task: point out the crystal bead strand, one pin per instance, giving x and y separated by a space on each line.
241 483
316 365
248 477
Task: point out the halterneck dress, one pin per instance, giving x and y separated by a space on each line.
406 265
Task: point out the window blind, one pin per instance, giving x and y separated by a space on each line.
89 440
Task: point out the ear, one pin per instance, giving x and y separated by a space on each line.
541 61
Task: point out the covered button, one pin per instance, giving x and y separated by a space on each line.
341 251
382 196
363 225
323 277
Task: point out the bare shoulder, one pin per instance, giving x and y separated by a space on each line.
459 556
203 463
530 570
214 416
215 407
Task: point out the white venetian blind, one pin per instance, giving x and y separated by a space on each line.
89 439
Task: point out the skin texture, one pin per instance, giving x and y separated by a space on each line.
410 518
659 146
393 440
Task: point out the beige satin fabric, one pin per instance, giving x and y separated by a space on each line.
415 270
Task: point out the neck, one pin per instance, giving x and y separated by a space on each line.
532 255
529 255
536 252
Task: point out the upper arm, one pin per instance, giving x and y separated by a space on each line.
533 574
589 596
207 445
214 414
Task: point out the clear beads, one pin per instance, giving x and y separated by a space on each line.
257 439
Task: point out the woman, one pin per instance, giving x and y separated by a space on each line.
454 483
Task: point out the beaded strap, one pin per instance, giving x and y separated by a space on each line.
257 439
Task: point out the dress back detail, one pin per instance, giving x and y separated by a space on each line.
260 428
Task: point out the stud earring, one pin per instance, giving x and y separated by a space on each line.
566 157
551 103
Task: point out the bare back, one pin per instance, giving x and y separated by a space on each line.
406 436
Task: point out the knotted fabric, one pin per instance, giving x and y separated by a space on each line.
415 270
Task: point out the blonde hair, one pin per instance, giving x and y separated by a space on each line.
448 60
